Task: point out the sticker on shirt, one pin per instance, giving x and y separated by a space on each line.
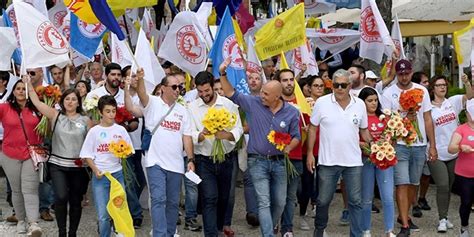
395 95
282 124
103 135
356 120
80 125
373 127
470 138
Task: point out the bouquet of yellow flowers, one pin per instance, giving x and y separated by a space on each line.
122 150
50 95
281 140
214 121
91 107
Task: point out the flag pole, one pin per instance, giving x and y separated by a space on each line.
13 67
133 56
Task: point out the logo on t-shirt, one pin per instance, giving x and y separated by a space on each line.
103 135
173 126
103 148
470 138
445 119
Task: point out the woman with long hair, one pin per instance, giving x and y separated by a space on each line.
445 115
19 118
370 173
69 177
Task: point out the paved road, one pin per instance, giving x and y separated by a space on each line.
88 226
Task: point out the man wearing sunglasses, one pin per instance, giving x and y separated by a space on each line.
113 72
266 165
36 76
341 120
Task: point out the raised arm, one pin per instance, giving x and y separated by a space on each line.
469 92
67 77
43 108
141 91
387 80
135 110
226 86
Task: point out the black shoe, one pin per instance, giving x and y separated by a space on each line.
404 232
192 225
137 223
375 209
252 219
178 222
424 204
411 225
416 212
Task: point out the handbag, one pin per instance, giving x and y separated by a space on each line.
146 137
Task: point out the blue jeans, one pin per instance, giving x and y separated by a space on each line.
291 200
250 195
230 206
409 167
101 192
328 177
46 196
164 193
270 181
386 186
190 197
135 187
214 188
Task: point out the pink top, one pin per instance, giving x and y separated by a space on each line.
465 163
14 141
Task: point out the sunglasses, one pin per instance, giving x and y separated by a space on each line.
32 73
336 85
174 87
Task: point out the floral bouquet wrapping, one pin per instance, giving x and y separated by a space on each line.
383 155
122 115
122 150
281 140
50 95
91 107
218 120
410 101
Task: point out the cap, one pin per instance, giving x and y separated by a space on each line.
403 66
371 75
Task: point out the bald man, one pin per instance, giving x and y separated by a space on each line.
266 164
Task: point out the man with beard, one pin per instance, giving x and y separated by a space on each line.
216 176
266 164
287 79
112 85
254 80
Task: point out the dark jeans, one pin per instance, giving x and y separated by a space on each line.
466 192
230 206
135 187
68 185
215 189
309 188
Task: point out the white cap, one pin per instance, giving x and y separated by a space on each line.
470 107
370 74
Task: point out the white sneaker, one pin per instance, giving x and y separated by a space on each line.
442 226
21 227
304 224
449 224
288 234
366 233
465 234
391 234
34 230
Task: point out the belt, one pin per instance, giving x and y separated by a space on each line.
269 157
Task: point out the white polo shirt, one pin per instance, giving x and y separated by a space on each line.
339 130
166 144
392 94
198 110
101 91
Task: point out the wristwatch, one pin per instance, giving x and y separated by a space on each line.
190 160
224 74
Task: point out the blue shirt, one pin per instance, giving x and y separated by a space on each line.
261 121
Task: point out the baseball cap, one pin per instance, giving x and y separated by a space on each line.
403 66
371 75
470 108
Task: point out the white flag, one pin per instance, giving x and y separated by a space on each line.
149 27
132 13
202 15
335 40
41 43
120 53
147 60
59 16
128 29
253 63
374 33
161 35
314 6
39 5
302 55
397 37
8 39
183 44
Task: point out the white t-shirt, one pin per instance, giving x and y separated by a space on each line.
166 144
339 130
136 135
445 120
392 94
101 91
383 102
191 96
96 146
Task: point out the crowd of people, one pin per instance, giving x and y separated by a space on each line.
170 139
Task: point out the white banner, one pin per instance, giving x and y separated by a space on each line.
302 55
41 43
335 40
397 37
120 53
202 15
374 33
184 44
313 6
8 39
60 18
253 63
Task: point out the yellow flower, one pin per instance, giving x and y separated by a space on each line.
120 149
379 156
374 148
391 124
390 156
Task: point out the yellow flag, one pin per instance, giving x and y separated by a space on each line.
462 40
118 208
121 4
313 22
303 105
212 19
188 82
239 36
283 33
83 10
